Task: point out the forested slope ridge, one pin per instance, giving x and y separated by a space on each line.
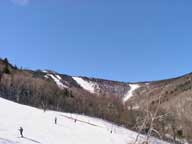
164 106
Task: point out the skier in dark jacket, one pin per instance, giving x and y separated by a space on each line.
21 131
55 120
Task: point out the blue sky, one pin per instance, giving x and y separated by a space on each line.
125 40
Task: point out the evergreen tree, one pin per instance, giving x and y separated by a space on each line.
6 68
6 61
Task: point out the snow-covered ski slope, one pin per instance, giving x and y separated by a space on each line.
133 87
89 86
39 127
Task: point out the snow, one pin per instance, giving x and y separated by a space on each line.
89 86
58 77
39 127
135 107
57 80
133 87
44 71
46 76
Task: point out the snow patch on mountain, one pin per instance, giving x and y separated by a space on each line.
46 76
57 80
133 87
44 71
87 85
39 128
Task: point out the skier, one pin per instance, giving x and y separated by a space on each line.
55 120
111 131
21 131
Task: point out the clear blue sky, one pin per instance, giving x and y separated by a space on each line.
125 40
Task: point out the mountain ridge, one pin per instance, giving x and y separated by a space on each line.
103 98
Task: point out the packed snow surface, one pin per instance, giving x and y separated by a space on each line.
44 71
39 127
57 80
133 87
89 86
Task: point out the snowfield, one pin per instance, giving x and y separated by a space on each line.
39 127
57 79
130 92
89 86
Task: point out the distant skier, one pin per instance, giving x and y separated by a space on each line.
111 131
55 120
21 131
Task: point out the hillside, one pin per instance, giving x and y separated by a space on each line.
123 103
39 127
